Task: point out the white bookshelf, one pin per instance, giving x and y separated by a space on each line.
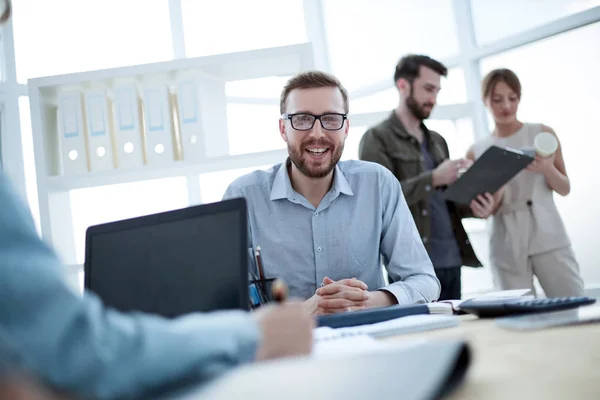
54 184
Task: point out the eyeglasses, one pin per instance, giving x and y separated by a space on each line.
305 122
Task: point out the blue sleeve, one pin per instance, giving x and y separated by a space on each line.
405 257
76 344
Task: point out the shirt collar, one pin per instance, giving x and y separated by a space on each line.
340 183
282 186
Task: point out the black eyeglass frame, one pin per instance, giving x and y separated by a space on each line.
316 117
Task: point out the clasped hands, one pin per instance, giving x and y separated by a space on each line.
346 295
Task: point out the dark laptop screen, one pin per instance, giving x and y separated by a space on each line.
172 263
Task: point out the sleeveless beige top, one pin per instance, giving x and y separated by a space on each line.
528 219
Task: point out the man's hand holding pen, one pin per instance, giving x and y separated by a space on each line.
286 330
286 327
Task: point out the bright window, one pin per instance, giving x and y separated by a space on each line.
454 89
385 100
92 206
226 26
459 134
214 184
262 88
367 38
453 92
253 128
355 134
65 36
495 20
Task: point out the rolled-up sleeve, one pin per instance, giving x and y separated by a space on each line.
404 254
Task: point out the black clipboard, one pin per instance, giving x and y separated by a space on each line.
489 173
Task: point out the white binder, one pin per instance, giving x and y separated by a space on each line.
158 124
100 144
189 119
129 149
71 131
213 106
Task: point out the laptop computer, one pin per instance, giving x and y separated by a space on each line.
172 263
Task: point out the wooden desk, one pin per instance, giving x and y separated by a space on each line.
557 363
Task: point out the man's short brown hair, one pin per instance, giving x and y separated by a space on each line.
500 75
409 65
309 80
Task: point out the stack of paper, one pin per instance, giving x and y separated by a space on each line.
440 308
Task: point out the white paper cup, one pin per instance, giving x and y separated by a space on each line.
545 144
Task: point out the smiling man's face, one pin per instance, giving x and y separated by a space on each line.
315 152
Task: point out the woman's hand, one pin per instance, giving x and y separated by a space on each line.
542 165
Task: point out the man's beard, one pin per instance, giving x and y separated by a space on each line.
297 156
418 110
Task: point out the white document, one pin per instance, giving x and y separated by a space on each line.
331 342
71 133
402 325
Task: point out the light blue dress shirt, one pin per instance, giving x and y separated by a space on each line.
76 344
362 218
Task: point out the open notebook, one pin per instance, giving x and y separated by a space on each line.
428 371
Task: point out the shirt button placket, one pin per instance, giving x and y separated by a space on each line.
320 259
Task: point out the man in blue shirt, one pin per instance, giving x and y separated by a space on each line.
75 344
319 221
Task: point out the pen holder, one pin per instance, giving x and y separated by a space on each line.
260 292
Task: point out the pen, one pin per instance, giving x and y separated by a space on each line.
259 263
